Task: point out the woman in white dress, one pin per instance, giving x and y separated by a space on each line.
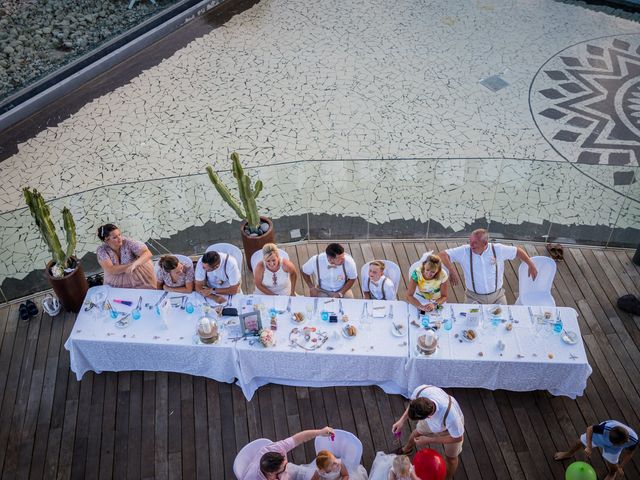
275 275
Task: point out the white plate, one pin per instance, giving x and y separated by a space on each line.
299 323
468 339
570 337
345 334
402 329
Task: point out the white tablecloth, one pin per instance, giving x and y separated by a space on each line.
530 361
147 344
373 357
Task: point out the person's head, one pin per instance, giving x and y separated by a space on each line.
327 462
431 267
335 254
210 261
271 256
401 466
273 464
169 263
421 408
376 270
478 240
618 435
110 234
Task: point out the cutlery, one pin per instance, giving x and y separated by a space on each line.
340 306
390 314
453 314
164 295
395 327
531 315
90 306
289 305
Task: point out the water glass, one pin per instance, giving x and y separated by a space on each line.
136 314
448 324
189 308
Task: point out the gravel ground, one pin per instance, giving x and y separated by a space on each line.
39 36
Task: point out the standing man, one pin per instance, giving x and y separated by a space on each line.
440 420
617 441
217 276
483 267
335 270
271 461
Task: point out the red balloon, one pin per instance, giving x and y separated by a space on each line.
429 465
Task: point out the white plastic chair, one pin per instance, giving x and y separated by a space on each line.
391 270
538 292
417 264
229 249
247 455
257 256
346 446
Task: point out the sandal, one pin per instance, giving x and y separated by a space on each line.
23 312
31 308
553 251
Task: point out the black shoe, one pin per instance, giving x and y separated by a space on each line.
23 312
32 309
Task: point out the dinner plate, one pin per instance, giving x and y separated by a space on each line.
395 332
464 337
346 335
570 337
304 320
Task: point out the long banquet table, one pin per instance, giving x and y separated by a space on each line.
378 355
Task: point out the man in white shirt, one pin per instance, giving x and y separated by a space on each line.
335 271
483 266
217 275
440 420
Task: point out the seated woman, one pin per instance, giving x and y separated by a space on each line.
175 273
377 286
275 275
126 263
428 286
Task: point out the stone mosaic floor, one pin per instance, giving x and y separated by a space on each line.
366 109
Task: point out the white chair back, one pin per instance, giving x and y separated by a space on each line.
346 446
247 455
229 249
391 271
417 264
257 256
538 292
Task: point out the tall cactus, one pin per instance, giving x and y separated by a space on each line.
42 215
249 209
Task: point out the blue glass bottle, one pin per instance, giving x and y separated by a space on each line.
189 308
557 327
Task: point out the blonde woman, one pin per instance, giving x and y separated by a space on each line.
275 275
428 285
378 286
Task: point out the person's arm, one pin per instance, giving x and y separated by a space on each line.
411 290
207 292
187 288
144 256
345 288
313 290
424 440
258 273
344 473
397 427
453 274
522 255
290 268
444 293
306 435
316 476
589 446
366 295
112 269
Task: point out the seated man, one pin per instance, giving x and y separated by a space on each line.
335 270
271 461
217 276
614 438
440 420
483 267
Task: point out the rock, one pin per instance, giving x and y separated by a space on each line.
264 227
253 234
9 50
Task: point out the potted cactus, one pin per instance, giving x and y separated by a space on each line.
64 271
256 231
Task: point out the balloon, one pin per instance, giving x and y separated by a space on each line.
429 465
580 471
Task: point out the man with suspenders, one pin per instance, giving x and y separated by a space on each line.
483 266
335 271
440 420
217 276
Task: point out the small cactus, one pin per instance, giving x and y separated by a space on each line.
42 215
249 209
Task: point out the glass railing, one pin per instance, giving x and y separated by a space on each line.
350 199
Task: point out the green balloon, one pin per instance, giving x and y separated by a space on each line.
580 471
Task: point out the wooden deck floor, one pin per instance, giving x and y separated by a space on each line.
165 425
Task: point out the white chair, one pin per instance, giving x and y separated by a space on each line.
257 256
418 263
391 270
346 446
229 249
248 455
538 292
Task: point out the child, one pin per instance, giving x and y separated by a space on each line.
329 467
401 469
377 285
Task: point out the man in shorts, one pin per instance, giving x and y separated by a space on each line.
440 420
617 441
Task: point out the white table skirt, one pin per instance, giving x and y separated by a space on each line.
529 361
373 357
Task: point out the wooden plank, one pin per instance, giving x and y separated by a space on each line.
147 465
186 412
201 435
94 430
214 424
134 436
122 425
232 426
108 440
